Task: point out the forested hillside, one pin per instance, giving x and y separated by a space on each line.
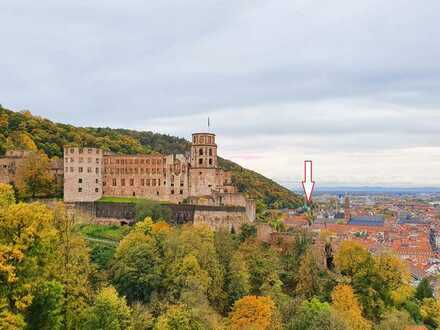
22 130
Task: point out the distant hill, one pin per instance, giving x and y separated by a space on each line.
22 130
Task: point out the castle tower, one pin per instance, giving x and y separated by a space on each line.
204 164
82 174
203 151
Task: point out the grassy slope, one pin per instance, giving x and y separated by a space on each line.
51 137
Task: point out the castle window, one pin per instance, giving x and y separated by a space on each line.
89 170
181 184
210 151
181 192
142 182
172 192
72 150
148 182
201 152
97 170
80 180
210 161
200 173
200 161
97 151
117 161
80 189
142 161
134 193
154 182
136 161
157 193
96 189
122 182
67 169
114 182
72 170
131 182
72 160
89 160
89 150
97 160
80 169
97 181
142 170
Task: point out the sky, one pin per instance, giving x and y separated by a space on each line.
352 85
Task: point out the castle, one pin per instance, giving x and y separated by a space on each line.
195 179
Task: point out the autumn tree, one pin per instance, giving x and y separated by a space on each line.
430 312
26 250
252 312
109 312
346 305
71 267
34 177
7 196
311 276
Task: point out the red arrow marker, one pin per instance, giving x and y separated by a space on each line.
308 183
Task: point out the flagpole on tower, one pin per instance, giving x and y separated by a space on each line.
209 124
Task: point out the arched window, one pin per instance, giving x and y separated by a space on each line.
210 151
210 161
201 152
200 161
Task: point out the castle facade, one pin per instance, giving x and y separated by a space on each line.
90 173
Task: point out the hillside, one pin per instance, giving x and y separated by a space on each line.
22 130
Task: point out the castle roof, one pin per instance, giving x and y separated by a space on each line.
366 220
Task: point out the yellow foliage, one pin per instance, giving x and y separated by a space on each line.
346 305
252 312
350 256
6 195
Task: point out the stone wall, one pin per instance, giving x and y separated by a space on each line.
214 216
221 219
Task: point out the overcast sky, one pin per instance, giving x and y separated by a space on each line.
352 85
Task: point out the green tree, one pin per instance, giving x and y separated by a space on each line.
45 312
151 209
315 314
424 290
395 320
109 312
138 265
178 317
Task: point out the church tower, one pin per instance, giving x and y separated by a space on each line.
204 164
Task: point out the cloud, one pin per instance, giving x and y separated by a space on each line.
328 79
